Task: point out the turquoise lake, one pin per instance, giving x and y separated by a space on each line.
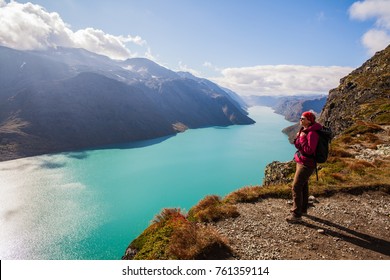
91 204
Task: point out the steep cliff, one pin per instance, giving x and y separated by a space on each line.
363 95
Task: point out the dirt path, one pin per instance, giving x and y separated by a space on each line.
343 226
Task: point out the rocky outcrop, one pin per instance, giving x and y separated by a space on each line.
291 131
279 173
362 95
382 152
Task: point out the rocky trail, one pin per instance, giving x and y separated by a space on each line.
344 226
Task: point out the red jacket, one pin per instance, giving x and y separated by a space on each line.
306 143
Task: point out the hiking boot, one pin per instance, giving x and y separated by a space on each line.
293 219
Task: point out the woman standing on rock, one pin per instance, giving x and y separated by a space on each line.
306 143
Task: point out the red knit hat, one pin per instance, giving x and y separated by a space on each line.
309 116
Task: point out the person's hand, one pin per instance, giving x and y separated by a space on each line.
300 133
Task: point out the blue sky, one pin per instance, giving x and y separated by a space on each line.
251 46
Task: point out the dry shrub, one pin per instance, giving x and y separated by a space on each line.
168 214
372 138
253 194
339 177
194 241
245 194
211 208
347 139
362 127
384 117
339 152
359 164
333 159
378 163
209 201
172 236
153 242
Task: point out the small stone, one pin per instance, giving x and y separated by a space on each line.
321 231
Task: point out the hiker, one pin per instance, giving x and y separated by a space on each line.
306 142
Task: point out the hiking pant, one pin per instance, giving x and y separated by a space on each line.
300 189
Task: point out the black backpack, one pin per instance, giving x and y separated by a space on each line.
322 150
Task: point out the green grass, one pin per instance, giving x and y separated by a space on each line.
362 127
376 111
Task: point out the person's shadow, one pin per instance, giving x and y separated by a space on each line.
360 239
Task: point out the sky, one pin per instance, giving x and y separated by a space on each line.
253 47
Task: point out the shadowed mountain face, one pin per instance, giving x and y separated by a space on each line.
66 99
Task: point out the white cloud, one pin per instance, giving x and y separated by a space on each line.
185 68
375 40
30 27
378 37
282 79
211 66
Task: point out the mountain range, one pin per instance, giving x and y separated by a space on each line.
291 107
67 99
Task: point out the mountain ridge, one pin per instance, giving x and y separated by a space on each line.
291 107
69 99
